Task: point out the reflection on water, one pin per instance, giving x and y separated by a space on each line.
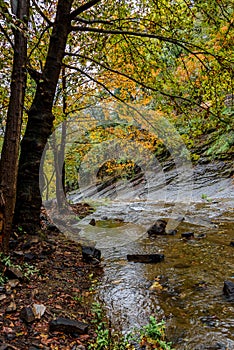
186 288
191 277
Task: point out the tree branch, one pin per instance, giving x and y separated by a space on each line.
96 21
50 23
172 97
7 36
112 94
38 42
129 77
83 8
177 42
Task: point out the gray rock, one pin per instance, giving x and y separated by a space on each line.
6 346
228 290
27 314
187 235
91 254
2 289
68 326
92 222
158 228
38 310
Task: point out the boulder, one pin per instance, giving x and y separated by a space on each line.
68 326
158 228
228 290
145 258
2 297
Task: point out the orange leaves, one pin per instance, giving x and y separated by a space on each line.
133 137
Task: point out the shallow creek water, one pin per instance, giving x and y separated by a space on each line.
186 288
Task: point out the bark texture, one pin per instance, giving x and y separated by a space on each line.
40 124
10 150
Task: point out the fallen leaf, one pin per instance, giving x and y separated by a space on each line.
7 329
156 285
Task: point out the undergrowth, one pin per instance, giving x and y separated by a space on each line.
26 269
150 336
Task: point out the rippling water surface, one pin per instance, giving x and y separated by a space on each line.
186 288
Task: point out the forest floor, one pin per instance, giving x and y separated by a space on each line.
51 274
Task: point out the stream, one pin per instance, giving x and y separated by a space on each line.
186 288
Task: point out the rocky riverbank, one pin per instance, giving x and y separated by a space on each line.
47 295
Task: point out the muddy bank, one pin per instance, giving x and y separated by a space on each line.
60 283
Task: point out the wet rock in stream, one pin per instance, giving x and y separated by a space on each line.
228 290
158 228
92 222
91 254
187 235
145 258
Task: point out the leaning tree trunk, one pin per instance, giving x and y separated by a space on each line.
40 124
10 150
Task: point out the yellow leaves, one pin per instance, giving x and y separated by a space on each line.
156 286
190 68
124 168
155 73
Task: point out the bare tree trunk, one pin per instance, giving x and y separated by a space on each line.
60 152
40 124
10 150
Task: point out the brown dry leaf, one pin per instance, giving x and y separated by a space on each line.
84 337
7 330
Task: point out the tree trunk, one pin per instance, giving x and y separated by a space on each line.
40 124
10 150
60 152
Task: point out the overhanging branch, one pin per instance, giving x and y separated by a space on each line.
111 93
173 97
7 36
128 77
48 21
181 43
83 8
